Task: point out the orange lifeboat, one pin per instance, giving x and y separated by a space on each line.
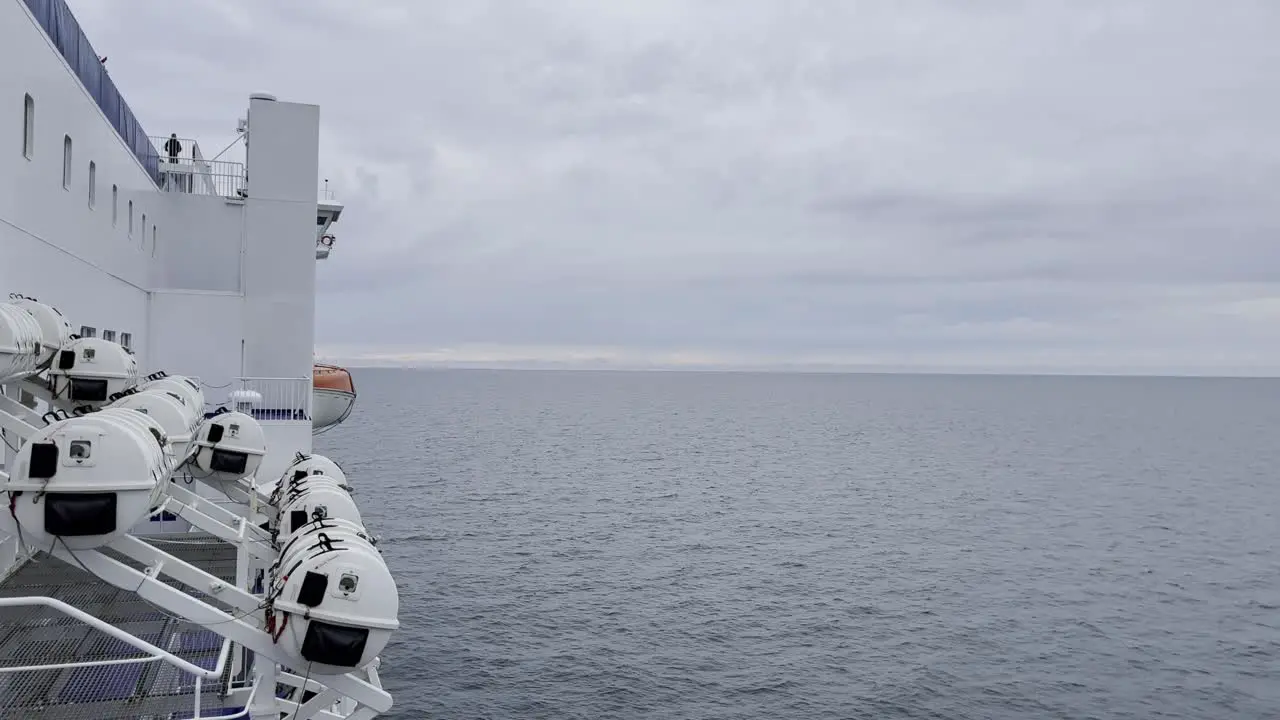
333 396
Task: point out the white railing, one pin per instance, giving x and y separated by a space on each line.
185 170
272 398
187 149
204 177
153 653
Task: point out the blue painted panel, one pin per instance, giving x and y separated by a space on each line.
194 641
97 684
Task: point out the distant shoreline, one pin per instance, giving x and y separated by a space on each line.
491 367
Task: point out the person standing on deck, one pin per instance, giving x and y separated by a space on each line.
173 147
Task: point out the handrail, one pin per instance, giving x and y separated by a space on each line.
244 711
153 653
190 148
115 632
203 177
278 398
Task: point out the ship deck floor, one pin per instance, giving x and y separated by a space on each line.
154 690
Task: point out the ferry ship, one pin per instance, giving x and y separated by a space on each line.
171 546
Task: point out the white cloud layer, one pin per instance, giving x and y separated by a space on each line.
1085 186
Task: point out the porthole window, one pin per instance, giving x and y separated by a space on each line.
66 162
28 127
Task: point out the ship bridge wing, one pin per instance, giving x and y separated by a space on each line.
328 210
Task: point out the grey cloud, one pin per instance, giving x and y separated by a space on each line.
920 182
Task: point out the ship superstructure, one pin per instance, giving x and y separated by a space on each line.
172 547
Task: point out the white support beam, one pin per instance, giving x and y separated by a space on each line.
215 511
187 574
38 388
296 681
175 601
289 708
18 419
239 531
322 700
264 705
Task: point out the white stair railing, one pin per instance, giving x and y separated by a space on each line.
272 398
153 653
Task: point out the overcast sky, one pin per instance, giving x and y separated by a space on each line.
1089 185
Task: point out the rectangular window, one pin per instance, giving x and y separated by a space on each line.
86 331
66 162
153 241
130 218
28 127
115 204
93 184
126 339
143 241
109 335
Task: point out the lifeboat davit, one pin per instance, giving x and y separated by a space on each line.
333 395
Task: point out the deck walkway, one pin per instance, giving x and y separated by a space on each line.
136 691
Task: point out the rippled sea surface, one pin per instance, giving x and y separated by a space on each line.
687 545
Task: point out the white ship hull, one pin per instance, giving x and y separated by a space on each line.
168 262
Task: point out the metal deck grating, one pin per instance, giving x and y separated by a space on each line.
135 691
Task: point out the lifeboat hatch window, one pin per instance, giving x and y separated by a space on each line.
28 127
88 332
109 335
126 340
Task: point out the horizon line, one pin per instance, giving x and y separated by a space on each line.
1206 374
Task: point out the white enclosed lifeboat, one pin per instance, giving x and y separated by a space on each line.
334 603
228 447
20 343
171 411
91 372
86 481
333 396
55 330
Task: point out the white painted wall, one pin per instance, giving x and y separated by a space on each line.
284 439
54 246
198 333
202 251
280 213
